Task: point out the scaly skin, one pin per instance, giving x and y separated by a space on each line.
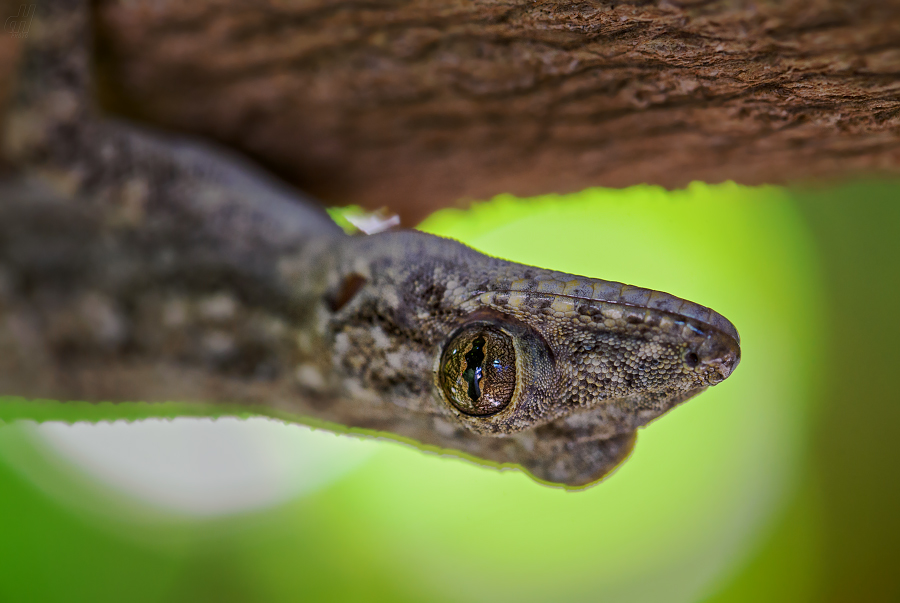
134 266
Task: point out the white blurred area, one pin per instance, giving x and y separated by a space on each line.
204 467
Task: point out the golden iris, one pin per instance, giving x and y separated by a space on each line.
478 370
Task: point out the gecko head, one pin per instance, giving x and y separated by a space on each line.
511 348
502 373
531 350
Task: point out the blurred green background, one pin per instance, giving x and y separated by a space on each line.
778 485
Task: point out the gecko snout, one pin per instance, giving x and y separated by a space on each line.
716 358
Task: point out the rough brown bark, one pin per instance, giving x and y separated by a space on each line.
415 104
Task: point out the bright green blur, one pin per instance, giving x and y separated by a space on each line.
696 504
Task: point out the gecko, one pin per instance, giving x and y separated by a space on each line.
139 265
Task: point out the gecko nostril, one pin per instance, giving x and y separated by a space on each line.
691 360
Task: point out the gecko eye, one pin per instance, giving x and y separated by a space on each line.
478 370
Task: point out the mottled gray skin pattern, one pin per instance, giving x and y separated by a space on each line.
134 266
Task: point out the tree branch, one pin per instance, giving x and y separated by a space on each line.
415 104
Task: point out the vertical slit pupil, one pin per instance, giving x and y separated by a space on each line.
472 374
